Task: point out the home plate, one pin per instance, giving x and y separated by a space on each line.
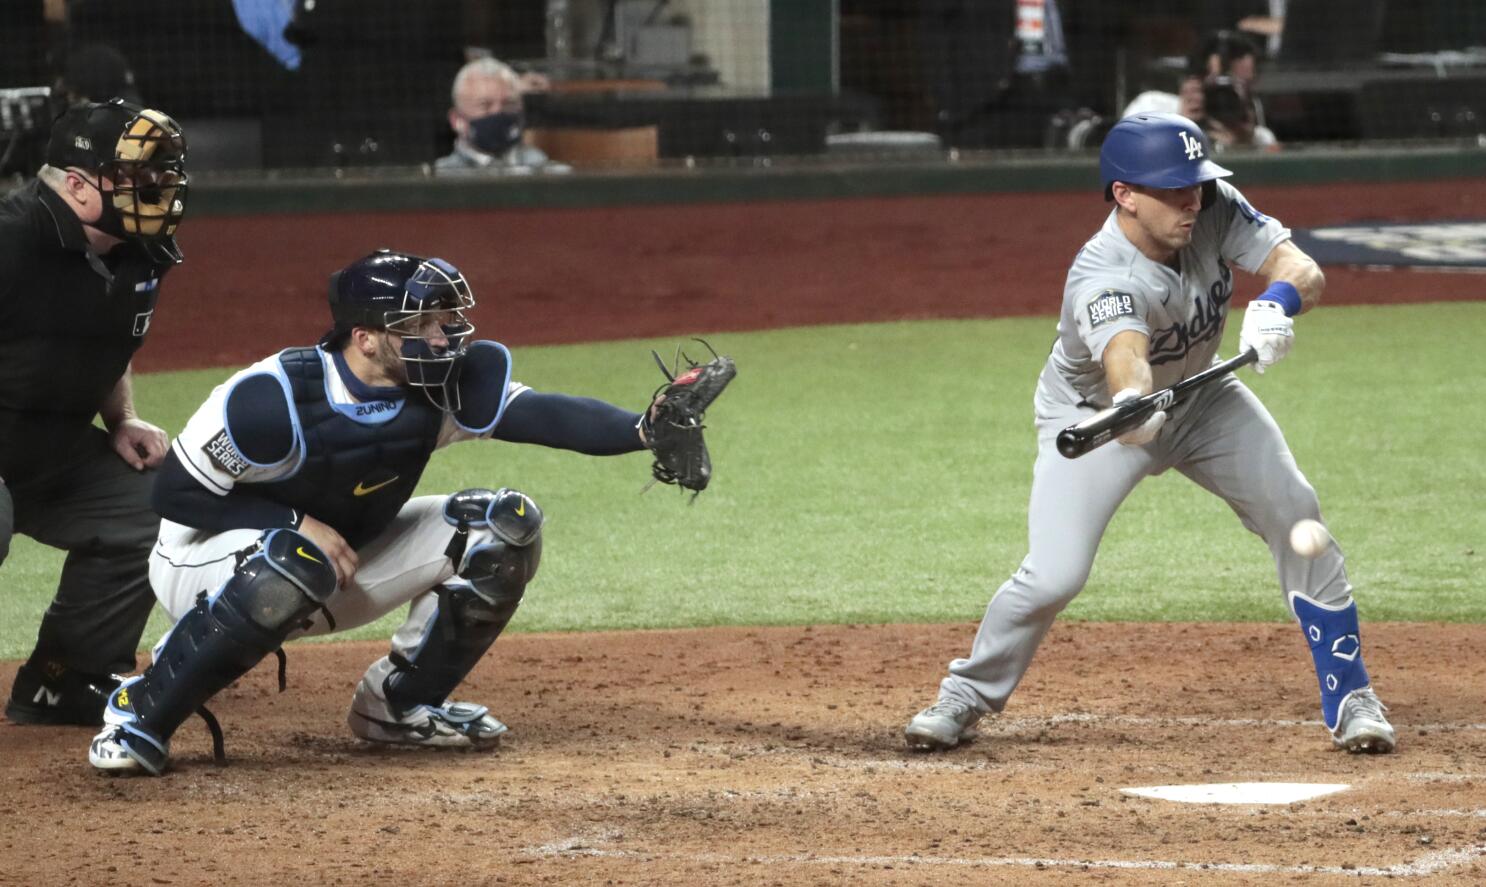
1239 792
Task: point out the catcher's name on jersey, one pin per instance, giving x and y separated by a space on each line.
1112 287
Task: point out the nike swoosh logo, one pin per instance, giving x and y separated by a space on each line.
521 509
306 555
362 491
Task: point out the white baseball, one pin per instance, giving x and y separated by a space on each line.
1309 538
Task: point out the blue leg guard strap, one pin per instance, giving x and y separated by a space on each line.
1336 647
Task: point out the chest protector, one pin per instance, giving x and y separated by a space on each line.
356 474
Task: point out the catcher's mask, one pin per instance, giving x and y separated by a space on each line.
423 301
142 152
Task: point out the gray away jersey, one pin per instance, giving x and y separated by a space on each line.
1112 287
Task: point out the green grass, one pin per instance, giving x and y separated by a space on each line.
880 474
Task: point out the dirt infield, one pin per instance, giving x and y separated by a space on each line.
773 756
254 284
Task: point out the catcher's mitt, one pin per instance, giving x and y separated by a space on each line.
673 423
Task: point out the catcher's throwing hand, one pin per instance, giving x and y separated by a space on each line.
672 426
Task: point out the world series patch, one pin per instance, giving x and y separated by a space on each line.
1108 306
224 455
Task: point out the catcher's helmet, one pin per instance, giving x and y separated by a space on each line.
142 152
1159 151
422 301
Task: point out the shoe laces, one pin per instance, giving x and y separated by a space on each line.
1367 704
950 708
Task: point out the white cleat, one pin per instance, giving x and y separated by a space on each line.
942 726
1361 725
451 725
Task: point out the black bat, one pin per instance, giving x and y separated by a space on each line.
1106 425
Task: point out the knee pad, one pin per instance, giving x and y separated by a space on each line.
280 585
1335 639
499 571
224 635
501 560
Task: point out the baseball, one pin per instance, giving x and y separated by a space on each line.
1309 538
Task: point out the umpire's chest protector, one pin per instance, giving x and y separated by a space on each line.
359 465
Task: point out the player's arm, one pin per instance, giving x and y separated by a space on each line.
1127 364
1127 372
243 434
1288 264
581 424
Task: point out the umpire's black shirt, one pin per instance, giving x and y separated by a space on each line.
70 321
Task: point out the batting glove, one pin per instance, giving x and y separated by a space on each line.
1268 331
1146 431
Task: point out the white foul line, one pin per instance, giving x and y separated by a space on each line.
1428 864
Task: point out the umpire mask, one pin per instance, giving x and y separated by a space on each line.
142 153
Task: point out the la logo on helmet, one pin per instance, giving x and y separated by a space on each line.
1193 146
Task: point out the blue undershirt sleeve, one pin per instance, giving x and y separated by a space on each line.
581 424
179 497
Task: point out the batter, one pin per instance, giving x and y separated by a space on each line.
1144 307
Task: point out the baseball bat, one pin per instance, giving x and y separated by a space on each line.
1106 425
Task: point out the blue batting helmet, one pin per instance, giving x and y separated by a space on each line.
1159 151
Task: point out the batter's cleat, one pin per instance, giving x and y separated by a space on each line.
451 725
56 695
123 747
1361 725
942 726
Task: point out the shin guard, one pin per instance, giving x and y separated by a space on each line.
1336 646
219 640
493 569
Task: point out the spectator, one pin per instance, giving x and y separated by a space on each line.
1226 54
1262 21
489 124
1229 118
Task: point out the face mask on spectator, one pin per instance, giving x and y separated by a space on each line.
496 133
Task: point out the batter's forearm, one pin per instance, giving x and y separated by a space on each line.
1289 264
1126 363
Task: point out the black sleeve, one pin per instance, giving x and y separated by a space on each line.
582 424
180 498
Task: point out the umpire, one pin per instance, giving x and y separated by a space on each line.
82 252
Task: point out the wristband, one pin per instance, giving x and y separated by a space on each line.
1286 295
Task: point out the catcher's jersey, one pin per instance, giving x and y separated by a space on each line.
206 449
1113 287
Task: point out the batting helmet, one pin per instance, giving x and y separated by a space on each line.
143 153
421 300
1159 151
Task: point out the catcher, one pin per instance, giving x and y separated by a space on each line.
288 509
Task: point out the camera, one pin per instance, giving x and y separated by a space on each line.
1226 101
25 111
25 123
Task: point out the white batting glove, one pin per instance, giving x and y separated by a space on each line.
1267 330
1146 431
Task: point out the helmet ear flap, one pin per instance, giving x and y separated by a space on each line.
1209 193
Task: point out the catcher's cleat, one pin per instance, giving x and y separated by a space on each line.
451 725
942 726
55 695
124 747
1361 725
